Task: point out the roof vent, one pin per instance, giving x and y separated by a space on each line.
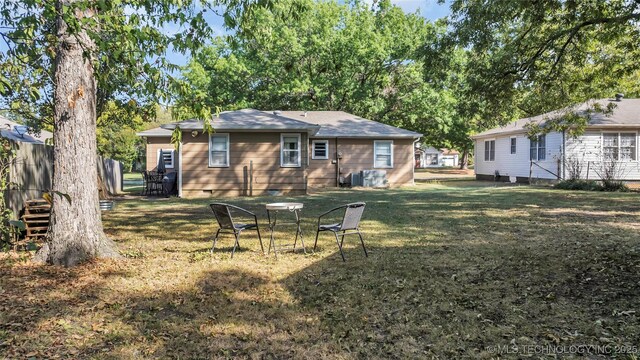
305 114
619 96
277 112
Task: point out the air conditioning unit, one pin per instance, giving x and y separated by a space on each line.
373 178
356 179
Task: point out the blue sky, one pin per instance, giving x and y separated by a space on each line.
430 9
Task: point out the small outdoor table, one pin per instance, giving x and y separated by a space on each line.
272 211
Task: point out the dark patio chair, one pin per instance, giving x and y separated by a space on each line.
350 225
222 213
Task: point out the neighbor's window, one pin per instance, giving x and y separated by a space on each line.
167 156
513 145
538 148
290 150
320 149
619 146
383 154
219 150
490 150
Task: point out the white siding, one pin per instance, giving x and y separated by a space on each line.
518 164
587 151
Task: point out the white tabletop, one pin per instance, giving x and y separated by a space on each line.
284 206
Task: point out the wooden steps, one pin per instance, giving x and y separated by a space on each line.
36 218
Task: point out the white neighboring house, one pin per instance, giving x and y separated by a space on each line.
609 139
432 157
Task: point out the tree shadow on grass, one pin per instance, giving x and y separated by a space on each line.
448 274
231 313
455 300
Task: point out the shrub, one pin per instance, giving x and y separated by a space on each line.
614 186
577 184
592 185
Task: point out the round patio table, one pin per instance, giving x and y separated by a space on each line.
272 213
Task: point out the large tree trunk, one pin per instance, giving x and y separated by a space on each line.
464 162
75 232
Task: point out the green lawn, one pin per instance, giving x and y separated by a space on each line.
132 183
452 269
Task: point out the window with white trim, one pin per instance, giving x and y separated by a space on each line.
167 156
619 146
218 150
489 150
320 149
513 145
538 148
383 154
290 150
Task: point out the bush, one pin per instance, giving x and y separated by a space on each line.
614 186
591 185
577 184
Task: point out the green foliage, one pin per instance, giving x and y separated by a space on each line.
129 53
592 185
7 157
176 137
577 184
352 57
527 59
116 134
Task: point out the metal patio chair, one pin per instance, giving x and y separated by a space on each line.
227 225
145 183
350 225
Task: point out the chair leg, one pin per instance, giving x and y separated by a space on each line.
339 246
316 243
302 240
214 240
260 239
237 243
362 242
295 241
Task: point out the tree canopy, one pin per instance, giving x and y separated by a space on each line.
353 57
528 58
68 59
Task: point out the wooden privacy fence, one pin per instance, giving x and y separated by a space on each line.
32 170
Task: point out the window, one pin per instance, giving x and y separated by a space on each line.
219 150
490 150
513 145
290 150
320 149
538 148
383 154
619 146
167 156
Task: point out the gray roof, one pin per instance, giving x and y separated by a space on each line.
247 120
341 124
8 130
626 114
155 132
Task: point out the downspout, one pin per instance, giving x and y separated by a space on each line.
180 169
413 163
564 154
337 165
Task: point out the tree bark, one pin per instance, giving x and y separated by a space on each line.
464 161
75 230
